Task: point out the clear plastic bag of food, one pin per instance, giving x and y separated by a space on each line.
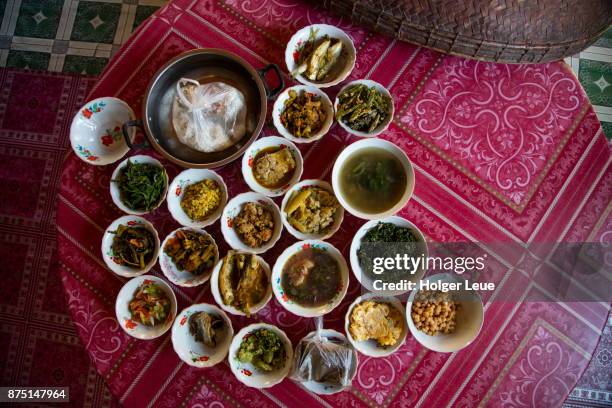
324 357
208 117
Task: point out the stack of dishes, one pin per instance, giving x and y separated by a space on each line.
372 179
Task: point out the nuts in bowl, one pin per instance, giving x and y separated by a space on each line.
445 321
434 312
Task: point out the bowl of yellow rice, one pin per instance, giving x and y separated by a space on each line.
196 197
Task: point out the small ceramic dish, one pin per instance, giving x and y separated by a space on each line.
214 288
338 216
116 193
366 280
370 347
111 259
96 134
124 317
326 388
279 107
176 192
233 208
196 353
250 375
342 68
291 305
366 144
382 126
265 144
181 277
470 318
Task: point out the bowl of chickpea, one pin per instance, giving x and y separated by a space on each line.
445 321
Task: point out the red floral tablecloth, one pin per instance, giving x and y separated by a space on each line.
501 153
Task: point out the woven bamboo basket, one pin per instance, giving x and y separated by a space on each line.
509 31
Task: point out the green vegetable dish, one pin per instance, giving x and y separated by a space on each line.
141 185
363 109
264 349
387 240
133 246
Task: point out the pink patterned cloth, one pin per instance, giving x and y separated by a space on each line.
501 153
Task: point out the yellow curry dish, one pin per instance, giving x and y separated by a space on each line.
274 167
201 199
379 321
311 210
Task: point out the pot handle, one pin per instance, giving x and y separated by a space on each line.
126 134
271 93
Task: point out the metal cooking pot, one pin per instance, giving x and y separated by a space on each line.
203 65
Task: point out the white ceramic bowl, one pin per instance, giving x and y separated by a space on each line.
180 277
381 126
264 143
362 277
370 347
96 132
289 304
249 158
470 318
248 374
329 388
279 107
338 216
133 328
107 246
214 288
348 55
232 209
367 144
177 189
195 353
114 188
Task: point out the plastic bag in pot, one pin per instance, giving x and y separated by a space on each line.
208 117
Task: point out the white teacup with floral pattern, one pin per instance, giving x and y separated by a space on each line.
96 133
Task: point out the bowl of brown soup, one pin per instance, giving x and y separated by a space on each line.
310 278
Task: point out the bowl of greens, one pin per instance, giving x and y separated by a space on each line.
260 355
364 108
130 246
387 238
139 185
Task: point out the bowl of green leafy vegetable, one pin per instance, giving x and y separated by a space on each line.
139 185
130 246
389 238
260 355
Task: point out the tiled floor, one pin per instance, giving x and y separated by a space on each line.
594 69
67 35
